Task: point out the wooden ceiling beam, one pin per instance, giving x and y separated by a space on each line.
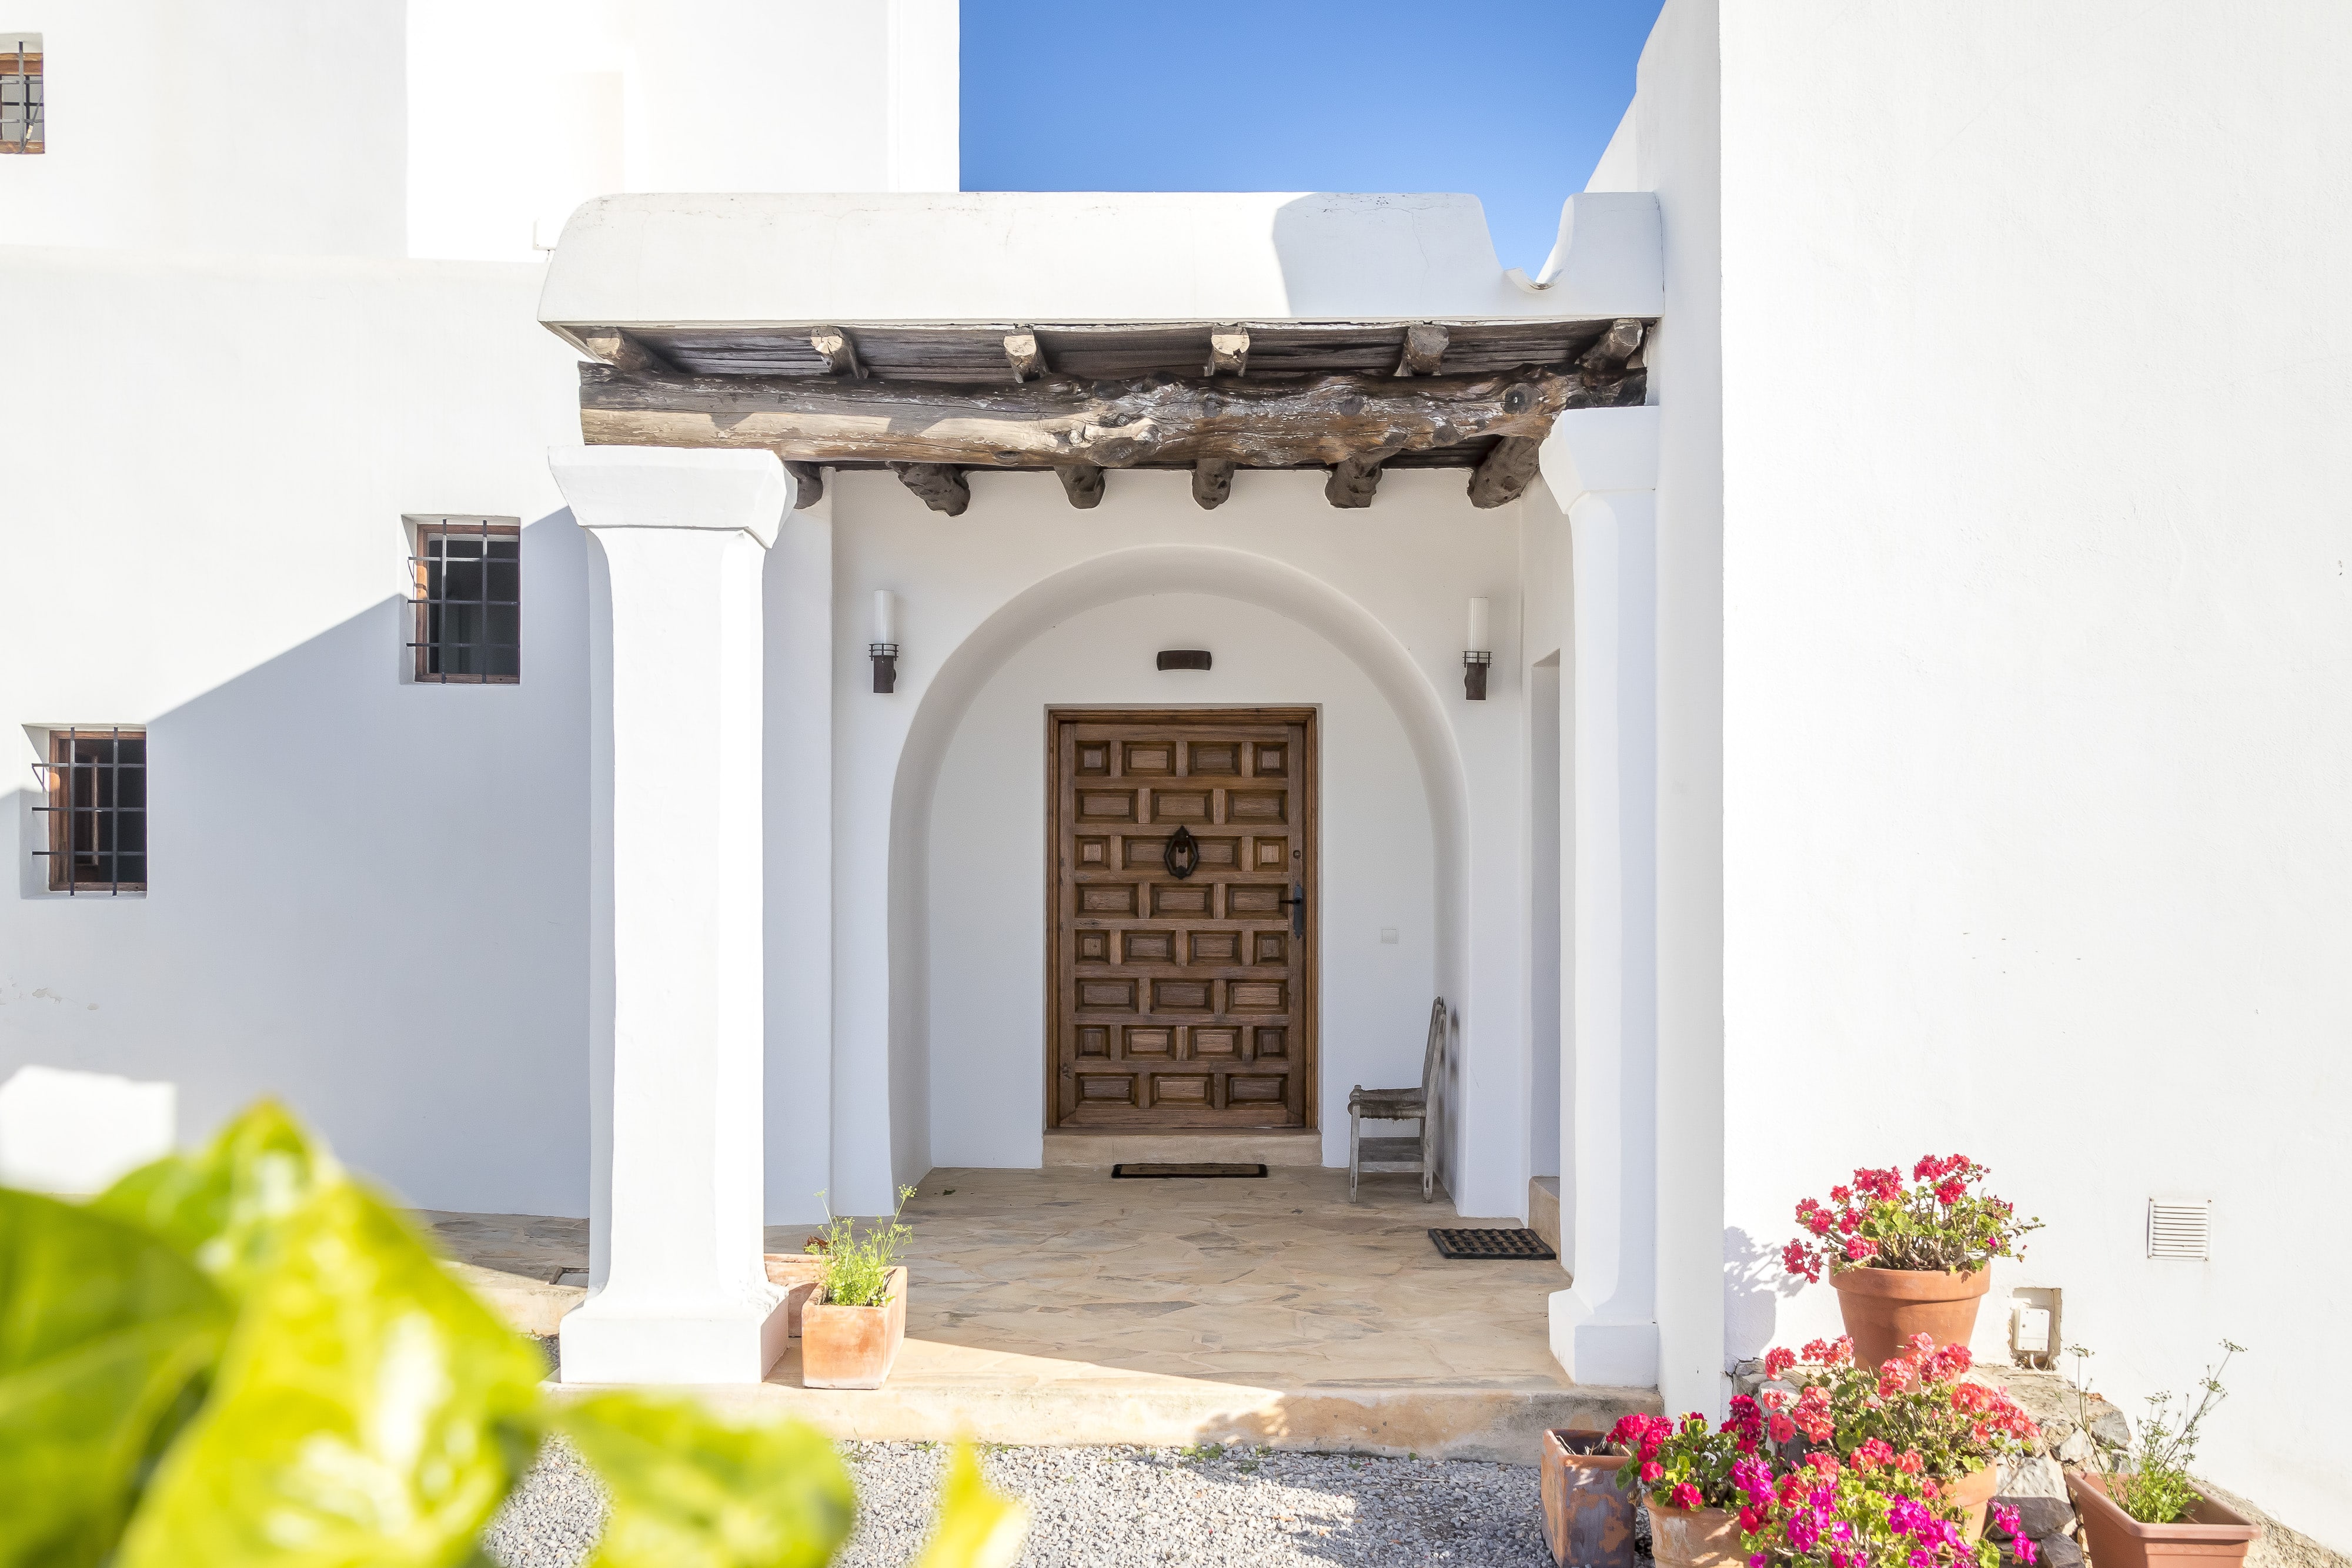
1059 421
1425 346
1212 483
625 350
1614 347
840 355
1021 352
941 486
808 483
1228 351
1352 482
1082 483
1505 474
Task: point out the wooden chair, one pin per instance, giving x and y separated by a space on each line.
1404 1155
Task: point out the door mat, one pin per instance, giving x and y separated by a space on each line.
1142 1171
1515 1242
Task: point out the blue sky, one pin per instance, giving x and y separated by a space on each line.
1512 103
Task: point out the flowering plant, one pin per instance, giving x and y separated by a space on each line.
1684 1464
1878 1222
1915 1413
1872 1514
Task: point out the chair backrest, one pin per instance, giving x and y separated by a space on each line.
1435 1052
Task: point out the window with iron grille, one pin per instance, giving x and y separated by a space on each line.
23 127
468 603
97 810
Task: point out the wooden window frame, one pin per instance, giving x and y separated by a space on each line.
60 771
423 647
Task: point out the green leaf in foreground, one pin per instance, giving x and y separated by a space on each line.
978 1528
368 1411
224 1207
692 1490
105 1337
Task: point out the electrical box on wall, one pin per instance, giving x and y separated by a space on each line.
2034 1339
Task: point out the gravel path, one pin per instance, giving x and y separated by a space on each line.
1219 1508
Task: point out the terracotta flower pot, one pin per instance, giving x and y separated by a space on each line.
799 1273
2211 1537
1588 1518
1883 1307
853 1347
1973 1493
1697 1538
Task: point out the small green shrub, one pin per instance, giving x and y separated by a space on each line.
2153 1486
857 1267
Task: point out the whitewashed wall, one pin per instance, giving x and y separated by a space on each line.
987 918
2036 637
464 130
216 126
368 896
1389 584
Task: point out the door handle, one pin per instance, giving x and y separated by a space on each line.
1297 903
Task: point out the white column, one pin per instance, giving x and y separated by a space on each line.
675 817
1601 466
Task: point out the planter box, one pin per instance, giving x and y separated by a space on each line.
853 1347
1588 1518
2211 1537
1695 1537
799 1273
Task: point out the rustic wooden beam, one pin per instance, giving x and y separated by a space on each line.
625 351
839 354
1505 474
1212 482
1613 346
1352 482
808 484
1020 352
1228 351
1082 483
1060 420
941 486
1425 346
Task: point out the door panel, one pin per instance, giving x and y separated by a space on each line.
1181 1003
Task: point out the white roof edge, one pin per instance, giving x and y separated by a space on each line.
1074 257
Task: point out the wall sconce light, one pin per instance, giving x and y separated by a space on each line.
883 649
1475 654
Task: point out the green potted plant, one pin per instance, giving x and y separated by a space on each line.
2149 1511
1907 1259
1682 1471
1913 1416
851 1330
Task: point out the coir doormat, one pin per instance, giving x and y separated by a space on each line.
1515 1242
1145 1172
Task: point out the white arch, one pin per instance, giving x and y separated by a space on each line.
1129 574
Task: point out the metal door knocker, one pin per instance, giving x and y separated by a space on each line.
1183 856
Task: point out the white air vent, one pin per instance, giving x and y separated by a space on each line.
2182 1231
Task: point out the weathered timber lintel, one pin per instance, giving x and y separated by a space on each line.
940 484
1060 421
1505 474
1212 483
1083 484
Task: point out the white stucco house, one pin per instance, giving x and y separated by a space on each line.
458 546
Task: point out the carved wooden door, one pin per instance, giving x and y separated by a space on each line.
1182 900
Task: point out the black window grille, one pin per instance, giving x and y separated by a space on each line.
97 788
469 624
23 117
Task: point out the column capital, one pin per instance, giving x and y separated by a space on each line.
1591 450
674 488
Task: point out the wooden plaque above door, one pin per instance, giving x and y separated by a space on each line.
1180 985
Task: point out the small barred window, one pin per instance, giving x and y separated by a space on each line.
97 810
468 603
23 117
